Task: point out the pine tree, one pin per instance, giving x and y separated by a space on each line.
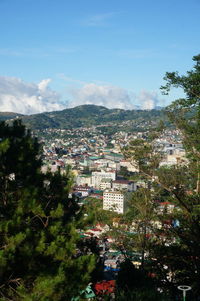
38 226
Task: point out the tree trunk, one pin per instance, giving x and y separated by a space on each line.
198 178
143 245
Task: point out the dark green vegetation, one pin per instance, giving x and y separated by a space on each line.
136 285
88 115
39 243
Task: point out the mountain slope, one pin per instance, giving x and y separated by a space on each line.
9 115
85 116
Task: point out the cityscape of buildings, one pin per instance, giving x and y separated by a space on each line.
98 164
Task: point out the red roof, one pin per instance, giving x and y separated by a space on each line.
165 203
104 287
96 229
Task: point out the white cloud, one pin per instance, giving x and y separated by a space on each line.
30 98
148 100
108 96
42 86
27 98
113 97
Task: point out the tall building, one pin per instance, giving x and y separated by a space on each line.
115 200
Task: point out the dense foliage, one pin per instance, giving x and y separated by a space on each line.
38 248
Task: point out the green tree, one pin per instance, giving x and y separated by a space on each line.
134 284
185 112
176 245
96 214
38 246
140 217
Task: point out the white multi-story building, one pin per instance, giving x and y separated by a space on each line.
115 200
98 176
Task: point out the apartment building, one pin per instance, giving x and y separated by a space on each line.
115 200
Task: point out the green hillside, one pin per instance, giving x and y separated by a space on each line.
9 115
86 116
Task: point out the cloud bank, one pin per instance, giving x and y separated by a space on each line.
148 100
112 97
27 98
31 98
107 96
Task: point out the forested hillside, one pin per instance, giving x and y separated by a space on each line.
87 115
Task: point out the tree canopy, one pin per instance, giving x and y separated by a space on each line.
38 228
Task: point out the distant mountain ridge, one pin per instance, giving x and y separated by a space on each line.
82 116
9 115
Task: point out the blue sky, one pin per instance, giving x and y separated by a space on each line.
112 53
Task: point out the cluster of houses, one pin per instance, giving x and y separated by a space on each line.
97 162
102 172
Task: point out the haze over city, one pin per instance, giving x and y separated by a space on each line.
60 54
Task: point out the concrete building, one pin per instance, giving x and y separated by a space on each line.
114 156
115 200
98 176
105 184
124 185
177 157
85 180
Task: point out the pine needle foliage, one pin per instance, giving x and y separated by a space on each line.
38 225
